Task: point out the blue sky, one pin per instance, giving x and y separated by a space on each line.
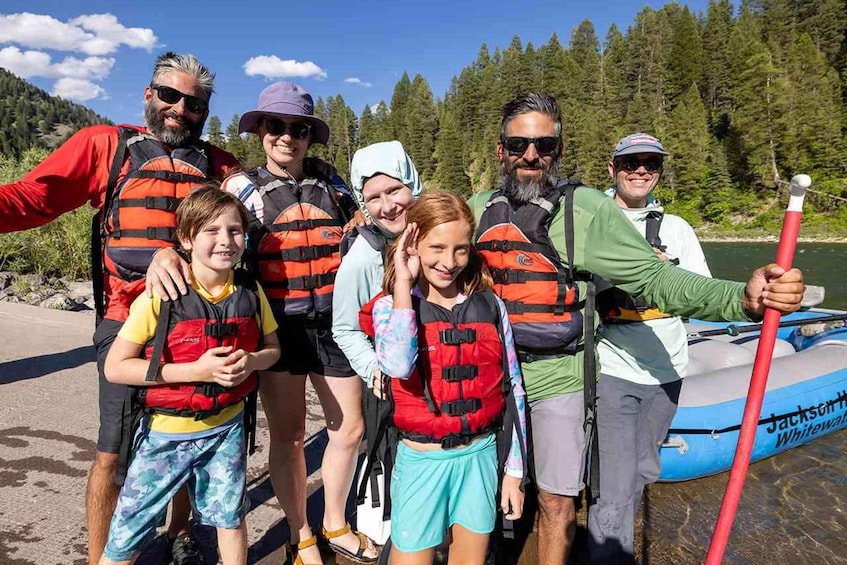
101 52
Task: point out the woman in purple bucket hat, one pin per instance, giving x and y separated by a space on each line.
294 247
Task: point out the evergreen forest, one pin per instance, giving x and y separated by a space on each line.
743 98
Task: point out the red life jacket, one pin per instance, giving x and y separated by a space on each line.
459 387
141 214
296 249
190 326
539 290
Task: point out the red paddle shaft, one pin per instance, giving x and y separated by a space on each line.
759 379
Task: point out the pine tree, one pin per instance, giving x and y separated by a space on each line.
811 117
449 149
421 126
686 61
687 141
216 136
719 196
755 123
397 117
234 143
717 81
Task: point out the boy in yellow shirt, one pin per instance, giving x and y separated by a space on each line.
193 381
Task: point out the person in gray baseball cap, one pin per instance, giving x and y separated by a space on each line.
643 356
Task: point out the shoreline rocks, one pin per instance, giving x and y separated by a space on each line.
47 292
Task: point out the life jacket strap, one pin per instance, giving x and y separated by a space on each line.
514 276
459 373
461 407
221 329
456 336
310 282
152 233
518 308
300 253
302 225
167 203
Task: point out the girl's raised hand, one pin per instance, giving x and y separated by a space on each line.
407 264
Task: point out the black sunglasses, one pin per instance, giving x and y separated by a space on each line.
170 95
543 145
297 130
630 164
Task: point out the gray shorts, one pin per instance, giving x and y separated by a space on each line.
557 443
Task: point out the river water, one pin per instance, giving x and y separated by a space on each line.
794 506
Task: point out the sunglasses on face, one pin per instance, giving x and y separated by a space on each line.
297 130
631 164
170 95
543 145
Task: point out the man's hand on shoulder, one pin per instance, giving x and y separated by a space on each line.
773 287
168 274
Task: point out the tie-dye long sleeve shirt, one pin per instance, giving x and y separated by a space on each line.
396 341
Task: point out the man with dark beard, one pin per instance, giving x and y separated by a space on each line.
543 238
136 176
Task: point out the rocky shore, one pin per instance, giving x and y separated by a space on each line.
47 292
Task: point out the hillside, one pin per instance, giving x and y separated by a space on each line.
30 117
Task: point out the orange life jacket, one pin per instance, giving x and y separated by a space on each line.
141 215
296 248
539 290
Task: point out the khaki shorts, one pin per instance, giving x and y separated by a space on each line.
557 443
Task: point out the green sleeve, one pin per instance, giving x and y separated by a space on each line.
615 251
477 203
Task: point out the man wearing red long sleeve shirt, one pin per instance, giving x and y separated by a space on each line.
154 167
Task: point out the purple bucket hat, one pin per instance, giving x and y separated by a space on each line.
285 100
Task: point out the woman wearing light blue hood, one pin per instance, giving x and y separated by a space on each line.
384 182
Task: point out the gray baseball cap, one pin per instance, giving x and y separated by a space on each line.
639 143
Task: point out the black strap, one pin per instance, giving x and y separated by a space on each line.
456 336
167 203
160 234
300 253
516 276
159 341
98 224
172 176
302 283
461 407
517 308
651 231
459 373
498 245
590 393
302 225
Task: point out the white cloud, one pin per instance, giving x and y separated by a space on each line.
97 34
28 64
271 66
355 80
107 28
77 89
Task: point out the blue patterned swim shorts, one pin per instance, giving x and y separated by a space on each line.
215 468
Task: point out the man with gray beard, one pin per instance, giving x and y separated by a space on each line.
136 177
543 238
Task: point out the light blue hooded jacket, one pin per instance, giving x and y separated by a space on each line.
359 278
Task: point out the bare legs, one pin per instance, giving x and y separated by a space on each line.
556 527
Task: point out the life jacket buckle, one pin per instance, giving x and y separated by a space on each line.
456 336
458 373
461 407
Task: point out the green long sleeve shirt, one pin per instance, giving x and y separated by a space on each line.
608 245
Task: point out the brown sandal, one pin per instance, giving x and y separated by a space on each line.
292 556
359 556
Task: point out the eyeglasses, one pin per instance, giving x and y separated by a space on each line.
543 145
297 130
170 95
631 164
